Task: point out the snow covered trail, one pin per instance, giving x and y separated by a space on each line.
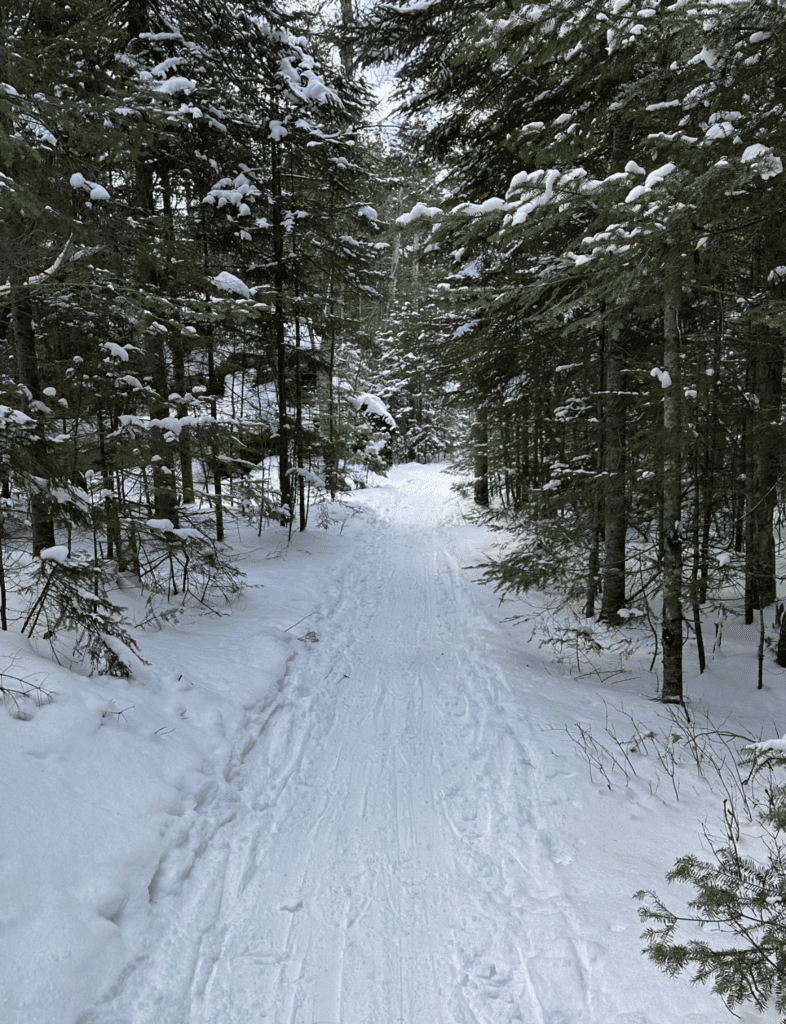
391 849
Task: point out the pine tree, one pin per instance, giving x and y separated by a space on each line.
628 148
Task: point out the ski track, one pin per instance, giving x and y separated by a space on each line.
381 853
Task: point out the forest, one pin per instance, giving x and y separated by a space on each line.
228 290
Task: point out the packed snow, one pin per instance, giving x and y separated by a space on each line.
351 797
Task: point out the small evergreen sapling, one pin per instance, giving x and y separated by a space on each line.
71 595
740 896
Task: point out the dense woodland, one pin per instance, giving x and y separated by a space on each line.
229 293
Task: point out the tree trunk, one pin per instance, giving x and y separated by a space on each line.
299 441
781 654
346 49
213 389
185 448
164 486
480 438
615 518
596 513
671 628
764 437
284 480
42 522
114 535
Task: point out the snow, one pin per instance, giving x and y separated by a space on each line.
116 351
176 84
418 211
165 525
187 533
350 797
372 404
58 553
229 283
310 477
708 55
466 328
656 177
37 128
720 130
663 376
493 205
769 164
314 88
415 5
534 197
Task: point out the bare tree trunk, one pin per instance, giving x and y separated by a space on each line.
284 480
164 479
480 437
3 594
185 448
299 445
671 628
213 389
346 49
593 563
114 536
615 517
763 451
42 522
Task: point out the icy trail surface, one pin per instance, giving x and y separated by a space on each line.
404 842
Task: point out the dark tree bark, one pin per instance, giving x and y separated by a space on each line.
214 389
480 438
671 627
42 521
279 321
615 506
114 535
185 448
164 489
596 510
764 458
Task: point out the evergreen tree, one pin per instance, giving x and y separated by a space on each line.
627 148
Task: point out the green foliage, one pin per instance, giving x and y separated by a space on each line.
186 200
71 597
739 896
549 552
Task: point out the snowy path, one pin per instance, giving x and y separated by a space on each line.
388 850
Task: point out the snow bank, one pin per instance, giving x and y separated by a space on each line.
107 791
